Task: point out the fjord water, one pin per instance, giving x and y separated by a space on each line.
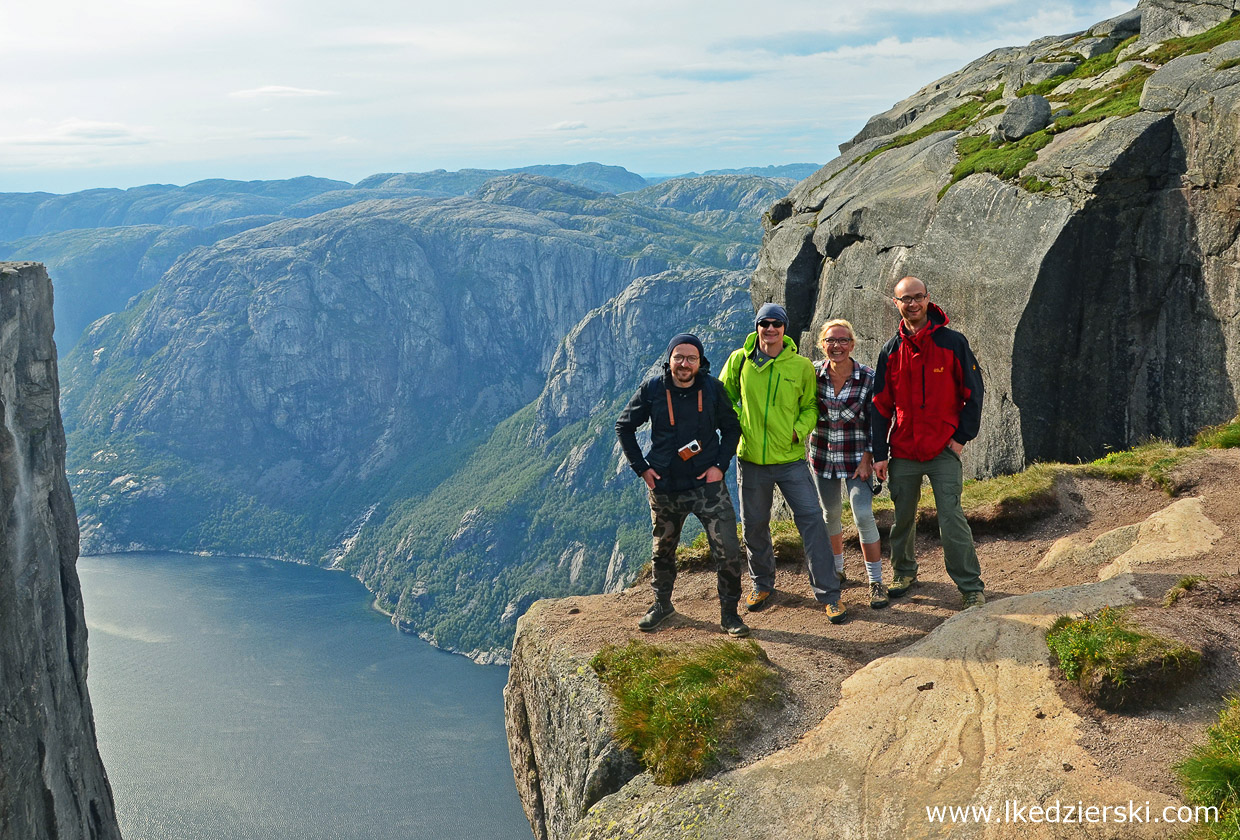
242 699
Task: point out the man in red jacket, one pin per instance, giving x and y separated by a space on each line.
928 381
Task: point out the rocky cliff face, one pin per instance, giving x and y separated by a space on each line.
1091 260
52 783
420 391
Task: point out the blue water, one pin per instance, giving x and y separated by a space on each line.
241 699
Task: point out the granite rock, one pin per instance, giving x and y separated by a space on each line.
52 781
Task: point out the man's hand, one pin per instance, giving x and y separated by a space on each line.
650 477
712 475
865 468
880 470
955 446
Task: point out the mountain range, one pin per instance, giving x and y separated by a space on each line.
417 386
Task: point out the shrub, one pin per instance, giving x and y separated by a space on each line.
1211 774
1226 436
1184 584
676 707
1116 664
1154 460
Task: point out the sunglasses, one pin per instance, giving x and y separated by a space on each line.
766 325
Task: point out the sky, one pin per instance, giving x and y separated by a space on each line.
128 92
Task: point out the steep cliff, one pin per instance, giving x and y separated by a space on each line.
52 782
1088 249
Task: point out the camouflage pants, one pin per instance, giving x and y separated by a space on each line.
712 505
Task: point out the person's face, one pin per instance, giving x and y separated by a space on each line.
771 332
912 301
837 344
685 362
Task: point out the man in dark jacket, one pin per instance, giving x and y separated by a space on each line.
928 380
693 436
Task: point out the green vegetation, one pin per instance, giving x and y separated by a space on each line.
957 119
1006 160
1228 30
1225 436
1211 775
1111 660
1184 584
1228 64
677 708
1153 461
1117 100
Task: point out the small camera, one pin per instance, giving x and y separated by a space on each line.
689 450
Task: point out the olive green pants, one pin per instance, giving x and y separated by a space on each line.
946 480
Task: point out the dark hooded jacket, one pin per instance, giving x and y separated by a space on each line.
929 384
715 427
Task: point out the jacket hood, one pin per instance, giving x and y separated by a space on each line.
935 317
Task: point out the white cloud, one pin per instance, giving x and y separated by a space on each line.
74 132
278 91
319 87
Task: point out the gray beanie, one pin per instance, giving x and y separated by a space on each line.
771 310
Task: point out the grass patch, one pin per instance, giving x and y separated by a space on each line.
1184 584
1211 775
1228 30
1153 461
1006 160
1228 64
957 119
1119 100
1225 436
676 707
1114 663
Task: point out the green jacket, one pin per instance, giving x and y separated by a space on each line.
773 402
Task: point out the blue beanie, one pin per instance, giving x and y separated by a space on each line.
771 310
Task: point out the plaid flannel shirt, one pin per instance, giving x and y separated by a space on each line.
843 431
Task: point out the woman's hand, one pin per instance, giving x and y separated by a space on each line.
866 468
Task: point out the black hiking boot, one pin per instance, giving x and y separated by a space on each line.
731 622
659 613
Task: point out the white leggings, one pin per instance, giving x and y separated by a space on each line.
859 497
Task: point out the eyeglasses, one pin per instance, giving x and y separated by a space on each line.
766 325
837 341
686 360
907 299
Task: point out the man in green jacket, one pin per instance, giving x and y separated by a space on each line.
776 393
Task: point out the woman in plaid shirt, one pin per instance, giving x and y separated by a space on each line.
840 450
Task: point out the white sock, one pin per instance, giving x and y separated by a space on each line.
839 563
875 571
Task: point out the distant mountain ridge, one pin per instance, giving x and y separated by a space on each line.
418 390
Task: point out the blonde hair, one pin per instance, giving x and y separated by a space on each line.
836 322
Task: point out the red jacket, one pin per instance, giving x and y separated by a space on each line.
931 385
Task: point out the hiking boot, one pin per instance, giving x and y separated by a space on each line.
731 622
973 599
901 585
659 613
878 595
757 600
843 578
835 611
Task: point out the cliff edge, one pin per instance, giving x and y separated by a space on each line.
52 781
916 706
